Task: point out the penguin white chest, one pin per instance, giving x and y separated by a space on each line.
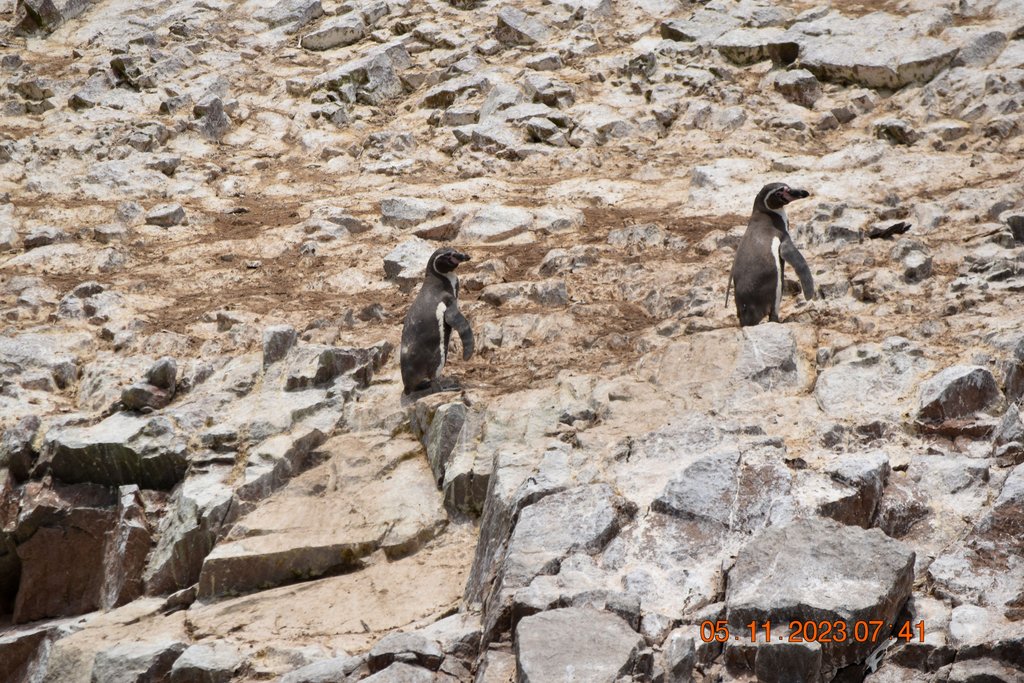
439 314
776 245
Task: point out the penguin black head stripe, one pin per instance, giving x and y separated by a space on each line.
757 271
429 322
444 261
774 196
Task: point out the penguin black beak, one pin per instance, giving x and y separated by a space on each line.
789 194
453 258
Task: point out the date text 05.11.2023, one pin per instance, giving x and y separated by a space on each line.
814 631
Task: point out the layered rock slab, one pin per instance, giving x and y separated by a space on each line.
861 50
369 495
383 596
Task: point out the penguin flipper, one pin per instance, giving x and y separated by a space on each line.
793 257
453 316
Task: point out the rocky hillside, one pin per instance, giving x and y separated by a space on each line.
215 214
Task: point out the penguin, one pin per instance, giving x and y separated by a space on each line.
758 267
429 322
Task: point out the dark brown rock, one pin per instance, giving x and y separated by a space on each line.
62 566
18 650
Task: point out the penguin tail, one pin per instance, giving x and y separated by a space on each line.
727 288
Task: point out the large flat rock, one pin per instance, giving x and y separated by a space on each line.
712 368
575 644
887 372
815 570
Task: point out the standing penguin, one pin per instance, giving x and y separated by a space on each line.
757 269
429 322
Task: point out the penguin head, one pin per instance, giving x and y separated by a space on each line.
774 196
445 260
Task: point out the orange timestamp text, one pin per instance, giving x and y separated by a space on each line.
808 631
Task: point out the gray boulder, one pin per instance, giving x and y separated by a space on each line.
122 449
750 45
324 671
865 475
703 26
408 212
166 215
896 131
917 266
44 235
197 513
861 50
957 392
277 342
804 571
212 120
680 655
406 263
214 662
1007 442
577 644
292 14
446 93
143 395
496 222
129 662
33 16
339 32
515 27
887 372
439 427
16 451
163 374
799 86
582 519
550 292
983 570
156 391
371 79
410 648
458 635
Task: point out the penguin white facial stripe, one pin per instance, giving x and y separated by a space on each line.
776 244
781 213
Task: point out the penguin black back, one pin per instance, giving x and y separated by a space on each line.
428 325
